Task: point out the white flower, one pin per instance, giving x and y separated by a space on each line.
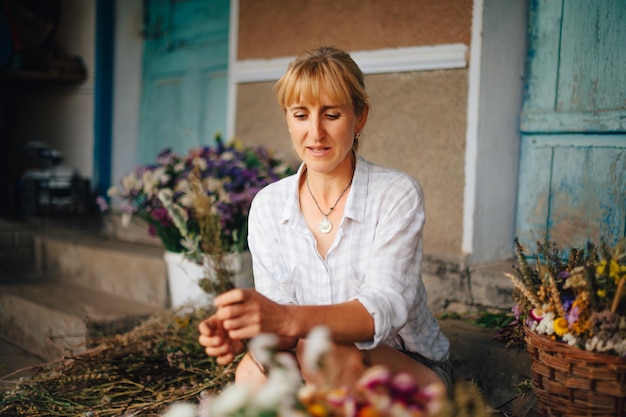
213 184
130 181
160 176
166 196
570 339
179 167
233 398
278 390
598 345
146 181
181 410
113 192
620 347
288 362
546 325
227 156
261 347
200 163
317 345
205 404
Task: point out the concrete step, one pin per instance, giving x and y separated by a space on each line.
94 261
17 248
51 319
63 282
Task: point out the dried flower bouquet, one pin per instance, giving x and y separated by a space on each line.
576 299
231 175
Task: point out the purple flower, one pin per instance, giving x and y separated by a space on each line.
374 377
403 386
567 302
161 215
241 171
102 204
165 157
563 275
573 315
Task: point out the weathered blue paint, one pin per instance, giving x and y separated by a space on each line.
184 97
103 101
573 150
572 192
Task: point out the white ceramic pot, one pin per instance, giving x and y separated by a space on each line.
183 278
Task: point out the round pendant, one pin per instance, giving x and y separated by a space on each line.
325 225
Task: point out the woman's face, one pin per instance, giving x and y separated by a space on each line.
322 132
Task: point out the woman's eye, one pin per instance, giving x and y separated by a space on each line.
299 115
332 116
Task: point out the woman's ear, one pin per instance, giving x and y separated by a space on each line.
362 119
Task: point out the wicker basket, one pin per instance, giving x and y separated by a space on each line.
569 381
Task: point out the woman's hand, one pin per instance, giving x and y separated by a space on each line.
244 314
216 341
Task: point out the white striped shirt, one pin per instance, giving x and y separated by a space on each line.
375 258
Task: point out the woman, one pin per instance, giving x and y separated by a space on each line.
338 244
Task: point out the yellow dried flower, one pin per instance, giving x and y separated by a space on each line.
561 326
580 327
615 270
317 410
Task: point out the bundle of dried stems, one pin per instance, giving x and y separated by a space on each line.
135 373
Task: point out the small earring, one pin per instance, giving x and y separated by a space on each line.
357 135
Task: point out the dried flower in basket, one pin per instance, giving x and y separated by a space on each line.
577 298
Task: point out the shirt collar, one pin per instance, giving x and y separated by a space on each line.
355 205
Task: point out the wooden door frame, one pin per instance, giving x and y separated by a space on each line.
103 97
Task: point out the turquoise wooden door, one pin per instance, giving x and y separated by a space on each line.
572 180
184 96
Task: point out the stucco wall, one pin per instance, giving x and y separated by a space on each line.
418 119
271 28
416 124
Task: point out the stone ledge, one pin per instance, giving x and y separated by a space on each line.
451 286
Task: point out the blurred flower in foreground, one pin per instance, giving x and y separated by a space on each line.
378 393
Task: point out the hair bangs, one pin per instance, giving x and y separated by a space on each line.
306 82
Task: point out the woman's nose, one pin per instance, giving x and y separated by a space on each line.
317 128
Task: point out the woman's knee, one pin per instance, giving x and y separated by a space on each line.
341 366
249 373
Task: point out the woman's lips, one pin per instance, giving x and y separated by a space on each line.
319 151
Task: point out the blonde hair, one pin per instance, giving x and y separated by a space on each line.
325 69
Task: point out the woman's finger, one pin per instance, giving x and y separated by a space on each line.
235 296
225 359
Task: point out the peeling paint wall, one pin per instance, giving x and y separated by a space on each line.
573 159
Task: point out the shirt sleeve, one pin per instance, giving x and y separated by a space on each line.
390 287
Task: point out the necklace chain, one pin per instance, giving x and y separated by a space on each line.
325 224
